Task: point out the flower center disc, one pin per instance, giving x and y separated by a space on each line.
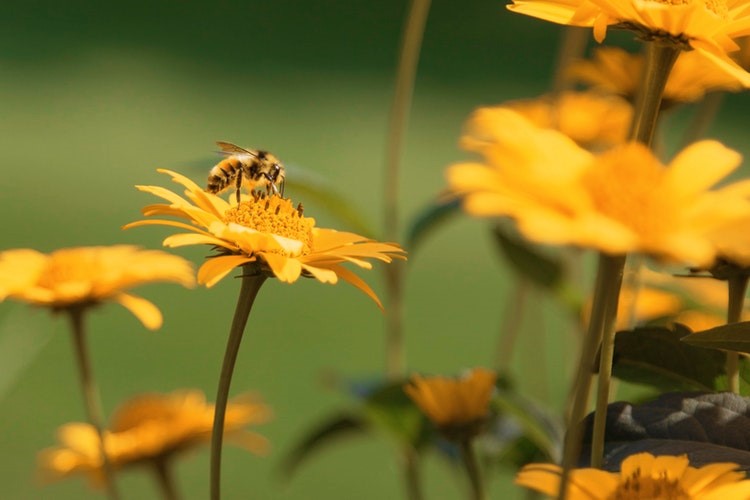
637 486
274 215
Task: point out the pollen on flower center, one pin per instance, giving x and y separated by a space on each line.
274 215
636 486
66 267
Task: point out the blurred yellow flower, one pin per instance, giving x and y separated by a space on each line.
623 200
592 120
266 231
87 276
615 70
708 27
151 428
642 476
454 404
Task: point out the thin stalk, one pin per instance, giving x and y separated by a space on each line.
411 44
91 398
165 479
737 286
703 117
476 486
251 284
412 477
572 47
608 277
605 362
660 58
511 326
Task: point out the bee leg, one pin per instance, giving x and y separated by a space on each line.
239 185
271 184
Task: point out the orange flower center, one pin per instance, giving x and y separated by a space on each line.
636 486
273 215
624 185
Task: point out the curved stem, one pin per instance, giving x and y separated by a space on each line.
737 286
91 399
165 479
472 470
251 284
411 44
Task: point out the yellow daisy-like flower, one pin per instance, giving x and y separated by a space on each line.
642 476
623 200
708 27
267 231
615 70
151 428
457 406
593 120
86 276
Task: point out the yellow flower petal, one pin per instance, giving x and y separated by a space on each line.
216 268
146 312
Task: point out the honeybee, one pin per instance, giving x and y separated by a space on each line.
249 167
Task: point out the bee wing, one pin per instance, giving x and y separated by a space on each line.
231 149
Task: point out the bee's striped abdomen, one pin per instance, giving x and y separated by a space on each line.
223 174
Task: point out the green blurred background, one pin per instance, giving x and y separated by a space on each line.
94 97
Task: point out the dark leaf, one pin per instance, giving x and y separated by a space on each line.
721 420
657 357
336 427
428 219
527 260
732 337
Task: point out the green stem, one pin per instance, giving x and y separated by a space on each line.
511 326
472 470
251 284
411 474
660 58
610 300
572 47
411 44
737 286
91 398
703 117
165 479
608 280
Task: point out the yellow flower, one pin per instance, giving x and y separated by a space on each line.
623 200
266 231
151 428
615 70
454 405
591 119
708 27
87 276
642 476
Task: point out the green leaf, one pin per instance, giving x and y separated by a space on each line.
312 187
391 410
733 337
528 261
428 219
657 357
335 427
